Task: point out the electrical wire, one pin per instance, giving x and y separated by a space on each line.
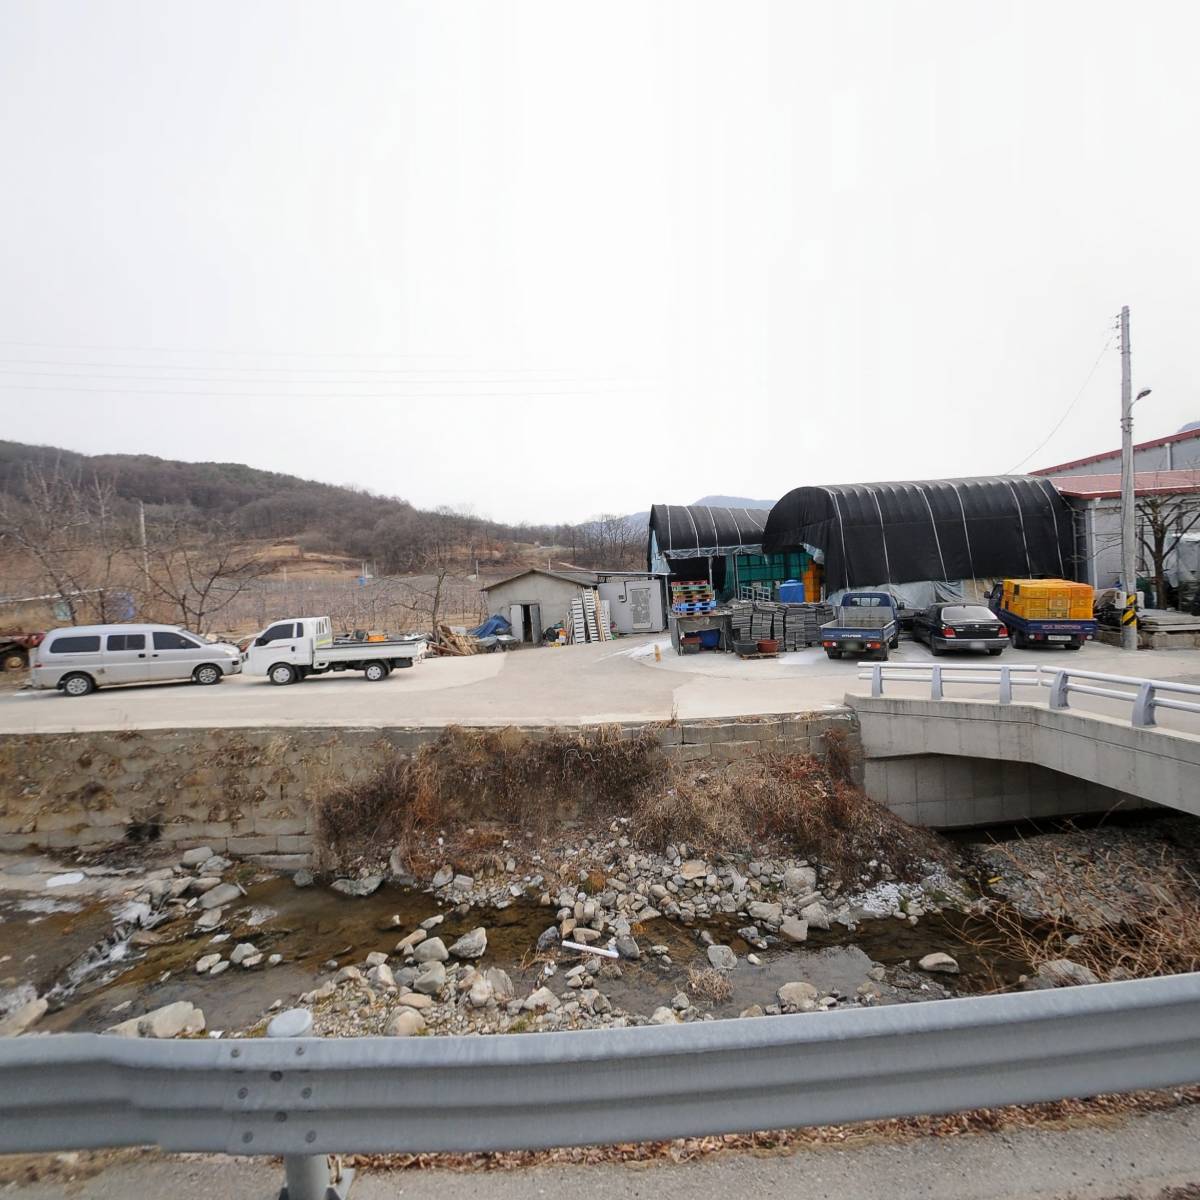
1070 407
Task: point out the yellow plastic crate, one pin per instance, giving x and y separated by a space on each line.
1048 599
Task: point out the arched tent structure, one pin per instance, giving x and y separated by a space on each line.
937 529
697 531
720 544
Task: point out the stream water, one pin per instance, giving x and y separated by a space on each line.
69 953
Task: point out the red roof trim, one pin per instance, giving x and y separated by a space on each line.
1145 483
1083 462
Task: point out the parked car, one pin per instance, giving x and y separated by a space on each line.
960 627
81 658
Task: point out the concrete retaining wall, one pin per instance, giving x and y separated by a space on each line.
251 791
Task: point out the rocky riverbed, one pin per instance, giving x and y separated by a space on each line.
592 932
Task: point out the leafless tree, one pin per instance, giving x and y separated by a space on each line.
70 528
199 574
1163 519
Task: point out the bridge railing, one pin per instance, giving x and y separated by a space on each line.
1143 695
304 1097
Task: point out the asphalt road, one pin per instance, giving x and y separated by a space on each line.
1135 1159
606 682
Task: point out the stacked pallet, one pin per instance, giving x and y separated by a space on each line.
762 623
741 614
690 598
802 624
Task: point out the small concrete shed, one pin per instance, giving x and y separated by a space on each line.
537 599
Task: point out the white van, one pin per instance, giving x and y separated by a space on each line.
79 659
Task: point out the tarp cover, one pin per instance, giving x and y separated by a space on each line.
928 529
696 531
492 626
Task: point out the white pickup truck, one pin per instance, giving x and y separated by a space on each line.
288 651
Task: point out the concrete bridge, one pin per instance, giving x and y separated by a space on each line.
947 762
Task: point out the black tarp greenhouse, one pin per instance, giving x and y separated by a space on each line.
698 531
935 529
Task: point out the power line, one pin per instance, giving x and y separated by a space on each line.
15 366
1070 407
524 390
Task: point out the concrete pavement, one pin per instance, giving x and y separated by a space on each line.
1137 1158
618 681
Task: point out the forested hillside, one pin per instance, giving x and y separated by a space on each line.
248 503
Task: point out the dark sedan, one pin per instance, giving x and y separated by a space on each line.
960 627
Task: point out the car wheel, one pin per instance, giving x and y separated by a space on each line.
1073 646
997 650
936 651
207 674
15 660
895 642
1018 640
78 685
834 653
373 672
281 674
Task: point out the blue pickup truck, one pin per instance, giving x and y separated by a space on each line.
1062 633
864 623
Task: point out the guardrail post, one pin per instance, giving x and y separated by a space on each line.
877 679
935 682
1058 690
1143 706
306 1176
1005 685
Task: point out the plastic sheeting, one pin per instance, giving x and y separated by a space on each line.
492 626
697 531
943 529
915 595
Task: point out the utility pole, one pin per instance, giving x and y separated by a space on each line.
145 548
1129 637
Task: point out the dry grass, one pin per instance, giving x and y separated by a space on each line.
792 803
709 983
468 777
1151 928
472 787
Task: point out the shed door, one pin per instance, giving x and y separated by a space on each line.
516 618
535 623
639 609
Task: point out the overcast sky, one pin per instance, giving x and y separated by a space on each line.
547 260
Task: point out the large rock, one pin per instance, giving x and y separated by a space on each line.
381 976
405 1023
694 869
541 1000
722 957
939 964
304 878
1063 972
502 987
241 951
800 880
166 1022
196 856
470 945
206 962
626 947
432 979
664 1016
794 929
358 887
223 893
760 910
481 993
798 997
816 916
416 1000
548 938
405 944
442 876
431 950
20 1019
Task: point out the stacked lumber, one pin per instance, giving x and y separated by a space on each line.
450 643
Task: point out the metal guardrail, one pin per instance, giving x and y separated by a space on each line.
1142 694
305 1097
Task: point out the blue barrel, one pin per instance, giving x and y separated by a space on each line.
791 591
710 639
